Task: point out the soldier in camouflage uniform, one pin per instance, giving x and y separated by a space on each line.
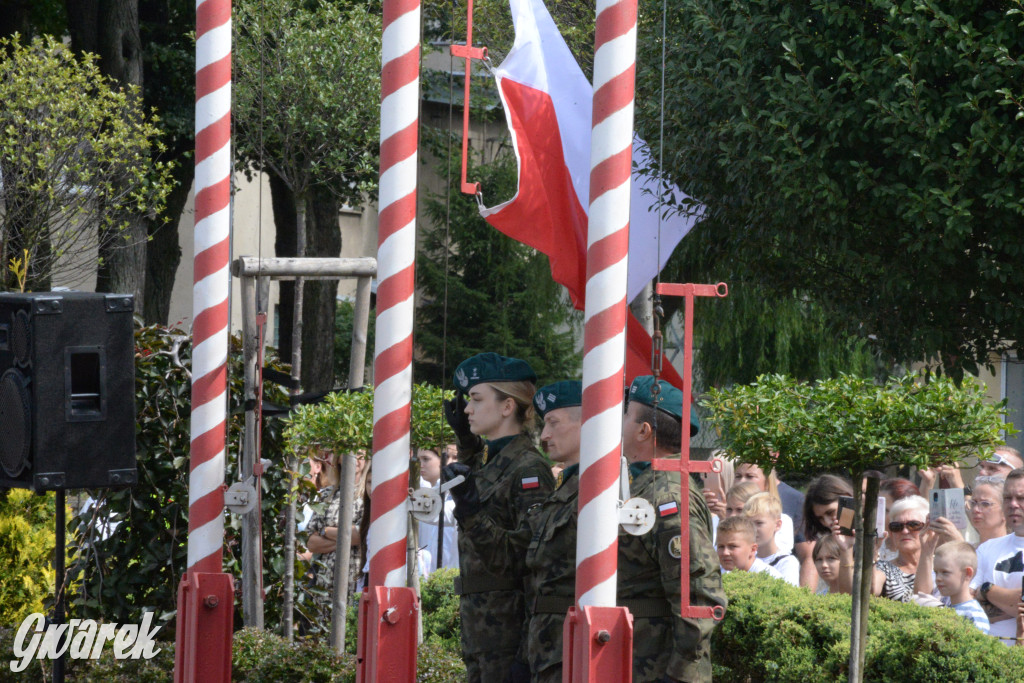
547 538
505 478
666 647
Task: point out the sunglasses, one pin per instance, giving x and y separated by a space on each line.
912 525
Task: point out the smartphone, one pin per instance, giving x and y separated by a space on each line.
845 515
949 503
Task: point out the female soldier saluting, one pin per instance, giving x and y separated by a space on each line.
505 477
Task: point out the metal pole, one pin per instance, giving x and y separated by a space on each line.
58 565
360 325
387 628
604 334
252 598
203 638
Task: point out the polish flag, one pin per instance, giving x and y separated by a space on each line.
548 105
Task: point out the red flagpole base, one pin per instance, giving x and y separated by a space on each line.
597 645
388 633
202 638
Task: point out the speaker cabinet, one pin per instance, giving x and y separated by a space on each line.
67 390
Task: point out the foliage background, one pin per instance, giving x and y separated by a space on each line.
27 541
77 161
866 154
138 567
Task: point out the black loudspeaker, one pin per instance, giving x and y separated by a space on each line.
67 390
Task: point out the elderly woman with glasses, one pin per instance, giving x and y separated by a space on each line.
894 579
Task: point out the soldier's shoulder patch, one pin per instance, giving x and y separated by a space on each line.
675 546
668 509
530 483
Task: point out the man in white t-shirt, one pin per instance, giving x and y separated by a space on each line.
1001 564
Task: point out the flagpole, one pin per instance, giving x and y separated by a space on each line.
387 611
206 592
604 346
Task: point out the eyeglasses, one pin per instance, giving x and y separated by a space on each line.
979 504
912 525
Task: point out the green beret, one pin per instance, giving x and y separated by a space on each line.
490 367
564 394
669 399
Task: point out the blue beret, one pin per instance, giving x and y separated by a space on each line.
490 367
563 394
669 399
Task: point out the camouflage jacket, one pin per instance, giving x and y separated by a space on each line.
649 567
509 484
551 571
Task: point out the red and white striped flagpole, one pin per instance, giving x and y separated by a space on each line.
387 627
205 596
604 347
211 283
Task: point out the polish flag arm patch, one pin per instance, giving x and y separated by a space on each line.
531 483
669 508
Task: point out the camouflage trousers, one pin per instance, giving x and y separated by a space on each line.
653 647
492 626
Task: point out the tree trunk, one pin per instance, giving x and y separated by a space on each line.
864 560
323 238
289 519
110 29
163 253
17 16
284 245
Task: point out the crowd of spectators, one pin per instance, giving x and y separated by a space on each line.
972 563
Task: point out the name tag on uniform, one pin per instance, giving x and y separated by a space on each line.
531 482
666 509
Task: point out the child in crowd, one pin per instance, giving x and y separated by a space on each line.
737 496
834 564
737 547
955 565
765 511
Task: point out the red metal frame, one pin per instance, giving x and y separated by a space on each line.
683 465
202 652
597 645
470 53
388 634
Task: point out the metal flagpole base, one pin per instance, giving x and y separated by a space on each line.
202 638
597 645
388 630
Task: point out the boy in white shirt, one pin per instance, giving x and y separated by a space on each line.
737 547
955 564
765 511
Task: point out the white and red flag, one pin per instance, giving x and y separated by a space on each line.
548 106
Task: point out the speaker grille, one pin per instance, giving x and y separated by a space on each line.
21 338
15 423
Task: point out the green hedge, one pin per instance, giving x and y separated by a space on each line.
27 541
775 632
264 657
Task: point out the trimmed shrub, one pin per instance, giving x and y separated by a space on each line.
775 632
27 541
440 607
